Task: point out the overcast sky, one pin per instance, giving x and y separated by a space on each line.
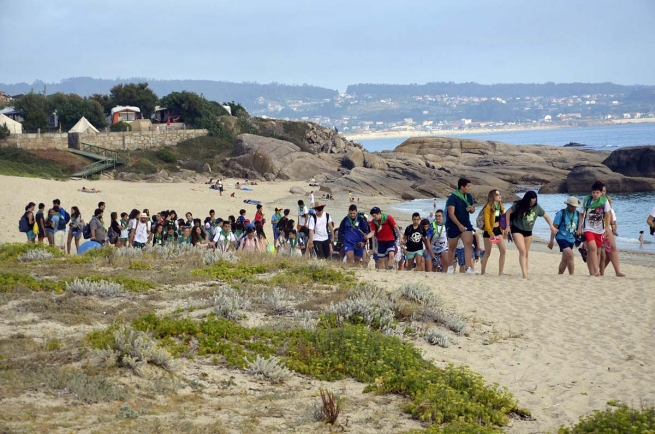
333 43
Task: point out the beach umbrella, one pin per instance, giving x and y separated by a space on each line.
88 246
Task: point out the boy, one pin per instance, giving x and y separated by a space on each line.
414 239
594 225
386 231
458 224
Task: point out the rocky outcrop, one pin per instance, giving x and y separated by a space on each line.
580 179
633 161
265 158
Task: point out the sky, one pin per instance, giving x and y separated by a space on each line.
331 44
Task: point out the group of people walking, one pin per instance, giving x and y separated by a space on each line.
436 244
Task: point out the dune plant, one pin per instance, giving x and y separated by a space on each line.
267 368
617 418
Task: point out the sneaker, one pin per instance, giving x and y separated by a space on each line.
451 270
470 271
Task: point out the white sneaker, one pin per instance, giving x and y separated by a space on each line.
451 270
470 271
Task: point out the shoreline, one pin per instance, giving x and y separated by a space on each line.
513 129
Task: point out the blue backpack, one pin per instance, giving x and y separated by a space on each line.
24 224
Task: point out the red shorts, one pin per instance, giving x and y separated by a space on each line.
598 238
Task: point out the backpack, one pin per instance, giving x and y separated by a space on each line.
282 224
61 223
479 221
24 224
327 224
502 222
86 230
111 235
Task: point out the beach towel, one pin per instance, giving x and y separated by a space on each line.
252 201
246 189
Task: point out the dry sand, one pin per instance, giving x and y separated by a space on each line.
563 345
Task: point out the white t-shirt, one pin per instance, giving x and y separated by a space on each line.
439 241
223 241
302 212
593 221
311 198
141 232
320 228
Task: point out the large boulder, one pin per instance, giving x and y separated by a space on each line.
262 156
354 158
583 176
633 161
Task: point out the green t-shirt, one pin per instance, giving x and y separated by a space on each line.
527 223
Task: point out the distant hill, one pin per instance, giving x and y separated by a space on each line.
244 93
508 90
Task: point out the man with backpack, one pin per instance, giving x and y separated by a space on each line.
566 220
353 235
97 227
59 221
142 233
386 232
321 228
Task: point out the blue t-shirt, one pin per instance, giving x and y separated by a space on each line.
55 219
350 232
567 223
460 211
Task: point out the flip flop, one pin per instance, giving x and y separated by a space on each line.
583 252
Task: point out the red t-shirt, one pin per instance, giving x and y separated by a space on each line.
258 216
386 230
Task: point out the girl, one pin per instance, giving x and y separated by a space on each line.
610 253
525 213
198 237
261 236
131 222
116 229
249 243
76 224
493 234
158 236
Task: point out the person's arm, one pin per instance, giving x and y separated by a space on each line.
148 229
93 231
558 222
553 229
451 216
607 215
651 221
428 245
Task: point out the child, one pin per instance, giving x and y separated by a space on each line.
291 246
641 238
158 236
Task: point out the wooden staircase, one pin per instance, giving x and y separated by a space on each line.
104 159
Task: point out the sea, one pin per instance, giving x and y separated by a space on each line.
631 209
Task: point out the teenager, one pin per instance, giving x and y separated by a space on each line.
40 222
459 207
224 239
566 221
386 232
321 228
594 225
76 225
414 240
29 222
493 233
522 216
439 242
352 235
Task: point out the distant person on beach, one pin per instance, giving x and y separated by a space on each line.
566 221
386 233
434 205
311 199
493 233
525 212
459 206
594 225
641 238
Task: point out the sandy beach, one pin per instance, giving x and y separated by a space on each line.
563 345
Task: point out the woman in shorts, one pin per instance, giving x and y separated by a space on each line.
522 215
76 224
493 233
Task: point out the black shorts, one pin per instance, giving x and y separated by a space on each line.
497 232
516 230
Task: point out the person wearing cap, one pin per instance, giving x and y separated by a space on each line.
142 234
321 228
386 232
275 219
566 220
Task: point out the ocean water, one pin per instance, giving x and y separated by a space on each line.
631 210
607 137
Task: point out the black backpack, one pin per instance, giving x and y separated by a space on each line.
86 230
61 223
24 224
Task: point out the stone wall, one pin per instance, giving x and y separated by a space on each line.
124 141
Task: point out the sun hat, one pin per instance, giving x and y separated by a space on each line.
319 204
572 200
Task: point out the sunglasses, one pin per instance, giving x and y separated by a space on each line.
319 209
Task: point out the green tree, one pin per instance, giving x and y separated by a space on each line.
237 110
137 95
70 108
197 111
104 100
4 131
34 109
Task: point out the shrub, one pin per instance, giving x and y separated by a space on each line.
438 337
276 300
449 320
330 406
267 369
132 349
622 419
214 256
367 305
304 319
166 155
120 126
101 288
11 251
127 252
35 255
4 131
420 293
10 281
229 304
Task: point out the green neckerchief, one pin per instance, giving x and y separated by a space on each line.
184 240
378 226
462 196
436 225
293 242
124 224
158 238
600 202
354 223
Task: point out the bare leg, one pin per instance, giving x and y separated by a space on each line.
467 240
77 244
593 258
519 240
427 263
419 263
68 242
487 254
502 249
614 256
452 245
602 262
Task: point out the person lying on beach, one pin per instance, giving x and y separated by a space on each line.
211 181
89 190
